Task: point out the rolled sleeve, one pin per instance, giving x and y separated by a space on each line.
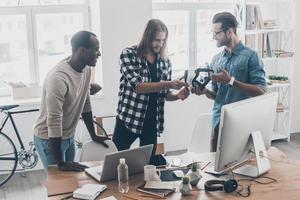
55 97
129 69
256 71
87 105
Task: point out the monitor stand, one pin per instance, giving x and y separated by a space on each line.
262 162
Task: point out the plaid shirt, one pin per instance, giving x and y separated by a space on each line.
132 106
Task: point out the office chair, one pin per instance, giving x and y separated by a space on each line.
92 151
200 140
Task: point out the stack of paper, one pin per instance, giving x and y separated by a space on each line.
89 191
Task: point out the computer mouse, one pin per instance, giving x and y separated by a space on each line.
178 173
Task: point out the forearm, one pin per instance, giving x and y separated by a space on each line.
153 87
248 89
55 145
88 121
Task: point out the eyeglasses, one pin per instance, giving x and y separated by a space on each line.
217 33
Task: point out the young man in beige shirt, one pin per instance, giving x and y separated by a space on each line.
65 97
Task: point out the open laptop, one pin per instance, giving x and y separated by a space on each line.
135 158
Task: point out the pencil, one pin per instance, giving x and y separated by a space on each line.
205 166
130 197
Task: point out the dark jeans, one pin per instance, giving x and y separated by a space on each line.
123 137
214 139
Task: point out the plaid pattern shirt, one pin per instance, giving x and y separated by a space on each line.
132 106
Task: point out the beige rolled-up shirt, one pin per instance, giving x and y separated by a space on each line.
65 96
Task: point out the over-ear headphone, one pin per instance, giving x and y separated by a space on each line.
227 185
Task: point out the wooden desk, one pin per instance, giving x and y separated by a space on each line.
287 187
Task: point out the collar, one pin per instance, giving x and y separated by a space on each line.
236 50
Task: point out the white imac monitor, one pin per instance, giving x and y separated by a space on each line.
238 121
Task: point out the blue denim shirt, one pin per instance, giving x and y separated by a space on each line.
246 66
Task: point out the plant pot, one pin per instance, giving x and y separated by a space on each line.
185 189
195 177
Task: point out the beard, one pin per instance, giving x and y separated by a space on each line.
223 42
156 50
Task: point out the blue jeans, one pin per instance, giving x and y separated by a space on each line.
46 156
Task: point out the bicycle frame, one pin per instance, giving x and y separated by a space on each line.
9 116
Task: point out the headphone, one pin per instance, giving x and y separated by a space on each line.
228 186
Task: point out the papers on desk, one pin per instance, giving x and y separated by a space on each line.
157 188
89 191
95 172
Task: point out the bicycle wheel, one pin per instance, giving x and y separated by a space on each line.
8 158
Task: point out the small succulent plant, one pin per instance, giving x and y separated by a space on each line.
185 180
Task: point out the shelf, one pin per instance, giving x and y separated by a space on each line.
279 135
276 58
278 85
284 111
260 31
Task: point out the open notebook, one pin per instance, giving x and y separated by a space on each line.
89 191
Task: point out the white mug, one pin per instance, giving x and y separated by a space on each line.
151 173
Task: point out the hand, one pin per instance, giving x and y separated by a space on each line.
101 140
177 84
222 77
71 166
94 88
183 93
198 91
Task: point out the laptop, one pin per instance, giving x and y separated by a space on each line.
136 159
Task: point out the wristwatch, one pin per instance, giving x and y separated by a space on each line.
230 83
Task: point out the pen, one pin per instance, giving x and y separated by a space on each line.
205 165
130 197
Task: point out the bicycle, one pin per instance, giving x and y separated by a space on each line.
9 155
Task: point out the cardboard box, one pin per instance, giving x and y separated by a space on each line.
27 92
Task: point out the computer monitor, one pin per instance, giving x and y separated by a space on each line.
238 121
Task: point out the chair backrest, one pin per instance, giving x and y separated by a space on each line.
92 151
200 140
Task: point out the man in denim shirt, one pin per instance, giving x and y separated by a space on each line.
239 72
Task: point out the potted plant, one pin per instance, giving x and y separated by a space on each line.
185 186
194 175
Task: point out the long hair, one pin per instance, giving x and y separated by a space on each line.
153 26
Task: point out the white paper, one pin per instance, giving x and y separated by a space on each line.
89 191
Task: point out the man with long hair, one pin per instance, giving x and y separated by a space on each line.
145 84
239 70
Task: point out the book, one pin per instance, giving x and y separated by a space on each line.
161 189
89 191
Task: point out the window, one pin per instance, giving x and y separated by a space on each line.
35 35
190 42
178 39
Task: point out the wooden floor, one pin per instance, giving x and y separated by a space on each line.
31 188
292 148
25 188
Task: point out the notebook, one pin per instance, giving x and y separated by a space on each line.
89 191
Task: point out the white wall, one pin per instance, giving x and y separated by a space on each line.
295 125
122 23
